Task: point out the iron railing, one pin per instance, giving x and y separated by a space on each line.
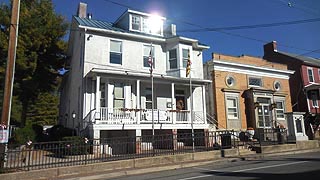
87 151
43 155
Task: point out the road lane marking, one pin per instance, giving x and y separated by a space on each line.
249 169
276 165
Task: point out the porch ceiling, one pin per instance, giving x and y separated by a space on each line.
134 75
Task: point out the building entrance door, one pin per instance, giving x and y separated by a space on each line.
264 116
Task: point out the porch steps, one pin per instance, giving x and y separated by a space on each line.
244 151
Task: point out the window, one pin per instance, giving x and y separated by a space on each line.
148 92
118 96
310 75
314 98
280 109
135 22
146 54
255 81
145 25
230 81
277 85
150 25
319 73
115 52
232 107
185 57
173 59
103 94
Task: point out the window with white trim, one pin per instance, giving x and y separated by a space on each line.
319 73
230 81
185 57
173 63
115 52
150 25
232 107
146 54
254 81
118 95
148 93
277 85
310 74
103 94
135 22
280 109
314 98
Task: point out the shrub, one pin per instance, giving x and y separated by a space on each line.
74 145
22 135
58 132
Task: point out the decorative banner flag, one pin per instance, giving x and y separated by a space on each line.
188 68
150 62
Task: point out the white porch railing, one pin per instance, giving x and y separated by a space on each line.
144 116
116 116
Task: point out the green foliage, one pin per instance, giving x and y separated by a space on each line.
44 110
58 132
22 135
38 57
74 145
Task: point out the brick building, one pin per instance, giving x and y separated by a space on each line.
304 83
248 92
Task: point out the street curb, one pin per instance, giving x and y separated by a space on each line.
136 171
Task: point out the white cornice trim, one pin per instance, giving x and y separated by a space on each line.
251 70
124 34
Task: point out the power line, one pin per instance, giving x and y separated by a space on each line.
291 4
253 26
221 29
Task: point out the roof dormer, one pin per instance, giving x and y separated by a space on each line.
135 21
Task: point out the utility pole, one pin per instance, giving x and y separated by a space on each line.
8 86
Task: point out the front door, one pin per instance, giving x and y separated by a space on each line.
264 116
180 104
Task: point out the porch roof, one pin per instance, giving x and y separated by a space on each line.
312 86
128 74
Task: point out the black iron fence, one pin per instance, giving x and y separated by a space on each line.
32 156
272 136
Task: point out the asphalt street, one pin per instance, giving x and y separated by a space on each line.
297 166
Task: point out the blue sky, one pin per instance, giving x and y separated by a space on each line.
196 15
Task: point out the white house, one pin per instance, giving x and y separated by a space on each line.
108 89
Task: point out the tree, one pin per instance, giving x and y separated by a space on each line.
39 54
44 111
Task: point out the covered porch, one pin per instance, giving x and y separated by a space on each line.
115 99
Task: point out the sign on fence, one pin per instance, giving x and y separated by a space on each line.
4 134
157 115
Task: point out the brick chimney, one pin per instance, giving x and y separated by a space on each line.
82 10
270 47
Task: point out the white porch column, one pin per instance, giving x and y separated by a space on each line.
98 97
92 100
138 140
138 102
173 104
204 104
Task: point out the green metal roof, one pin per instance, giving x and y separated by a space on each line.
97 24
110 26
304 59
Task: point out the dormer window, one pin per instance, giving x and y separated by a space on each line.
135 22
146 24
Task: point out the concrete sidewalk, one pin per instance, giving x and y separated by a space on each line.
160 163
